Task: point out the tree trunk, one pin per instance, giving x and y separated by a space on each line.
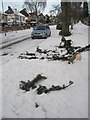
36 13
65 6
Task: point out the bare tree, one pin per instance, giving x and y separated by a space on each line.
55 9
35 6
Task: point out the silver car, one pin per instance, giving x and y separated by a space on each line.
41 31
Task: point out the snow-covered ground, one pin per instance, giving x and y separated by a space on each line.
0 87
14 37
69 103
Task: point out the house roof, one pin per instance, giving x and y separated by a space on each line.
33 13
24 12
9 11
20 14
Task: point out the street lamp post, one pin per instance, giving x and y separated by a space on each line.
3 18
15 14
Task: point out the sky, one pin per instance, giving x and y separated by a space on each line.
15 4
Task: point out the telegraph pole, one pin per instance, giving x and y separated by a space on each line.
3 18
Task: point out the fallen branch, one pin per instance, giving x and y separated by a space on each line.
83 49
31 84
43 89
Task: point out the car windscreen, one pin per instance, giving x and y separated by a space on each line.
40 28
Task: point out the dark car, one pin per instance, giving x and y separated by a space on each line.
59 26
41 31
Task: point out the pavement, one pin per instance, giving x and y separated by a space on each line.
14 37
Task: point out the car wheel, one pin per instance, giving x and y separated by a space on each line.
50 34
45 36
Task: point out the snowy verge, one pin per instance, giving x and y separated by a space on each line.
14 42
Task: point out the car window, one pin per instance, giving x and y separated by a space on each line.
40 28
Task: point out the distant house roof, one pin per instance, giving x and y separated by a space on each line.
33 13
9 11
21 15
24 12
41 14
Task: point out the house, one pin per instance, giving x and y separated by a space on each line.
27 15
14 17
53 20
24 12
41 18
3 19
33 19
13 20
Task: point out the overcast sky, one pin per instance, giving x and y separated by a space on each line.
15 4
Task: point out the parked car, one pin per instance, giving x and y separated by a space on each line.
59 26
41 31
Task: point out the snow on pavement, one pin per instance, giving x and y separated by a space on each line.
14 37
69 103
0 87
